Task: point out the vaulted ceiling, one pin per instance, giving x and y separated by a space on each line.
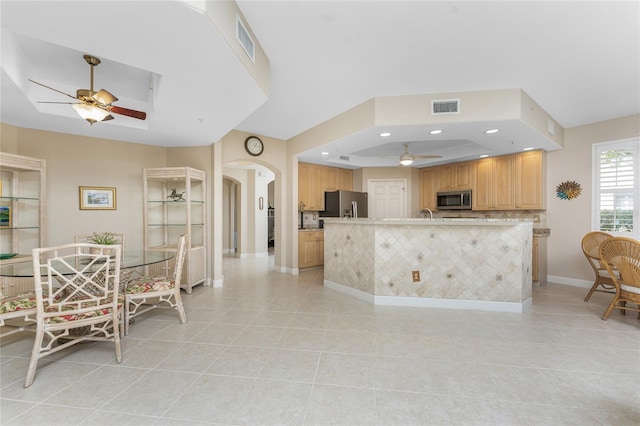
580 61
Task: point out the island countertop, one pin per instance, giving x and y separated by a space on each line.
426 221
458 263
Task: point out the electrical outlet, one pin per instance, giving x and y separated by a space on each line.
416 276
536 218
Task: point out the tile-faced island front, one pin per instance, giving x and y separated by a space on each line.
481 264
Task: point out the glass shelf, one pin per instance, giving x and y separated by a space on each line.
174 202
18 227
4 197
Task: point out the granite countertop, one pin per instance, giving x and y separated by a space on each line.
428 222
541 232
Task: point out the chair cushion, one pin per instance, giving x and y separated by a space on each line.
18 302
630 289
77 316
150 284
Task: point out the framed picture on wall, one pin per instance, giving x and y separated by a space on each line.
97 198
5 216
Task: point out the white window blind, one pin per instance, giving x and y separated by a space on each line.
616 187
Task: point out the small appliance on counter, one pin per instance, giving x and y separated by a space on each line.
345 204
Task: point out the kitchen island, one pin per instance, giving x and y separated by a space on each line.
479 264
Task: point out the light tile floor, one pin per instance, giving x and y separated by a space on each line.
277 349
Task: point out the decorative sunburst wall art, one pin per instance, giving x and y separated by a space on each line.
568 190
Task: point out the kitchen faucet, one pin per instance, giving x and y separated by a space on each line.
426 209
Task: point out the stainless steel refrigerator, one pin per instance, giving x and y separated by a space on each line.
345 204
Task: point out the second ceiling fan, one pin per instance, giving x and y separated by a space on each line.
95 106
407 159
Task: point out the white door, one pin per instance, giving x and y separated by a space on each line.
387 198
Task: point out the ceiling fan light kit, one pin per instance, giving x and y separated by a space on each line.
90 113
95 106
406 159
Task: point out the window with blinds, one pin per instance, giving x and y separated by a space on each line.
616 186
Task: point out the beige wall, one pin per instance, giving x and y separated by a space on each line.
569 220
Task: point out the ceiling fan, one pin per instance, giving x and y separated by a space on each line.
407 159
94 106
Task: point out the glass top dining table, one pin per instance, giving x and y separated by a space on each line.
130 260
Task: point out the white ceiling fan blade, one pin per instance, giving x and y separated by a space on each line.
425 156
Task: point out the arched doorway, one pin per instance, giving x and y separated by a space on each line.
248 209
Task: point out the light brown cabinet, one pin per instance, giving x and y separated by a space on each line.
315 180
310 249
529 182
311 186
510 182
503 197
482 192
336 179
429 184
456 175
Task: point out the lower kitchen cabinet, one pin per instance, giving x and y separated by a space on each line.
310 249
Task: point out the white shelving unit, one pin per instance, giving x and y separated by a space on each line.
22 205
167 217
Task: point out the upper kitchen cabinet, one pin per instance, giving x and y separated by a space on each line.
336 179
456 175
510 182
481 197
315 180
429 184
175 204
310 187
530 185
22 205
503 182
493 189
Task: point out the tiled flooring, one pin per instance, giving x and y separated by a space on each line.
277 349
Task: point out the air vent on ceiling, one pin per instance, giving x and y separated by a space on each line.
245 39
344 157
445 106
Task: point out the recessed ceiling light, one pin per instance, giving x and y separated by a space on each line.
436 132
529 148
385 134
484 155
324 153
490 131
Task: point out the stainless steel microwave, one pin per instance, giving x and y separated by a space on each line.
454 200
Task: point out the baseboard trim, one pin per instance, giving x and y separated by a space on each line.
569 281
425 302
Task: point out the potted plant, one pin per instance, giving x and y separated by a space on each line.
105 238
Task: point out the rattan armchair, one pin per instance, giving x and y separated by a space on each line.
591 249
623 254
76 288
147 293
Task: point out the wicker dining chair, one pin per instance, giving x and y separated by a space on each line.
623 254
146 293
591 249
76 288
